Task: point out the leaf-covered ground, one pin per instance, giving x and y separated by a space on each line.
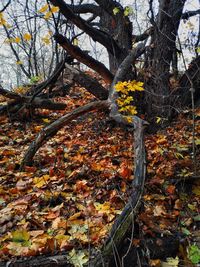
80 181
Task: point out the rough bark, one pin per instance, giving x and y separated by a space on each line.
119 27
84 80
98 36
160 57
191 78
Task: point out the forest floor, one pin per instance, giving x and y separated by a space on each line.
80 181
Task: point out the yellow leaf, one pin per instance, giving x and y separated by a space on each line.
40 181
43 8
46 120
46 40
20 236
48 15
27 37
158 119
54 9
19 62
75 42
16 40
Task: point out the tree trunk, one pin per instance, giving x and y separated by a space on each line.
120 28
160 58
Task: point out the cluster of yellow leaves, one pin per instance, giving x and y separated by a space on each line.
48 10
125 100
26 37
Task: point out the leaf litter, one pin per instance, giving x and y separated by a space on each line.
81 179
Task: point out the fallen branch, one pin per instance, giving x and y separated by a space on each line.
126 219
54 127
84 80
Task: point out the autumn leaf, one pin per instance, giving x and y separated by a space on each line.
54 9
27 36
48 15
20 236
43 8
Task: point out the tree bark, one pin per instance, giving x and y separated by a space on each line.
160 56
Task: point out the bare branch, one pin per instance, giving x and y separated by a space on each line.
102 37
143 36
78 54
4 8
189 14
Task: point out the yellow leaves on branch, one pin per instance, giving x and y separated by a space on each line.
125 100
130 86
27 36
48 10
43 8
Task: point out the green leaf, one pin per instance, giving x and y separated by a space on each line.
116 10
194 254
128 11
196 218
198 49
185 231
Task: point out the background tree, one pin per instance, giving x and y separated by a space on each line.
109 24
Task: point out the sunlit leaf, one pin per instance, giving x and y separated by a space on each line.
194 254
116 10
128 11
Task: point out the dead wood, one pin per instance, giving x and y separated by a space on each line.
84 80
54 127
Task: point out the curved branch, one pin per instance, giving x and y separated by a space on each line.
189 14
124 67
143 36
86 8
102 37
109 5
78 54
54 127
